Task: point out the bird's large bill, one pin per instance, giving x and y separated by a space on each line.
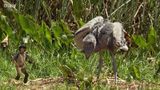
123 48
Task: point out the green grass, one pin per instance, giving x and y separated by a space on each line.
60 58
134 66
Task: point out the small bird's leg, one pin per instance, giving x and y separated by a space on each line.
26 75
100 64
114 66
18 73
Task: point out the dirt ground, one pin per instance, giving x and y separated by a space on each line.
51 83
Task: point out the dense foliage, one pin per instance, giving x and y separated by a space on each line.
50 25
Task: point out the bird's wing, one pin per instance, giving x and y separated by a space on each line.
78 38
104 35
15 57
86 29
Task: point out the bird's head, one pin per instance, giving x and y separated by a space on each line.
121 37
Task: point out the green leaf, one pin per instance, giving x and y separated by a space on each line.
152 36
27 24
57 30
4 26
47 32
81 22
66 70
136 72
140 41
65 27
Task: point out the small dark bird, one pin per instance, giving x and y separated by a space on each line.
99 35
19 60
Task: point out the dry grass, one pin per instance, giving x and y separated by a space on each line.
59 83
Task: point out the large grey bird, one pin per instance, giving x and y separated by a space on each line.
99 35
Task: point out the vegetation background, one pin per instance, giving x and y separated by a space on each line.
50 25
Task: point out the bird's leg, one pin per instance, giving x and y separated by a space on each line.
114 66
23 70
100 64
18 73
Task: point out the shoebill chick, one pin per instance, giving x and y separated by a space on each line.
19 59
